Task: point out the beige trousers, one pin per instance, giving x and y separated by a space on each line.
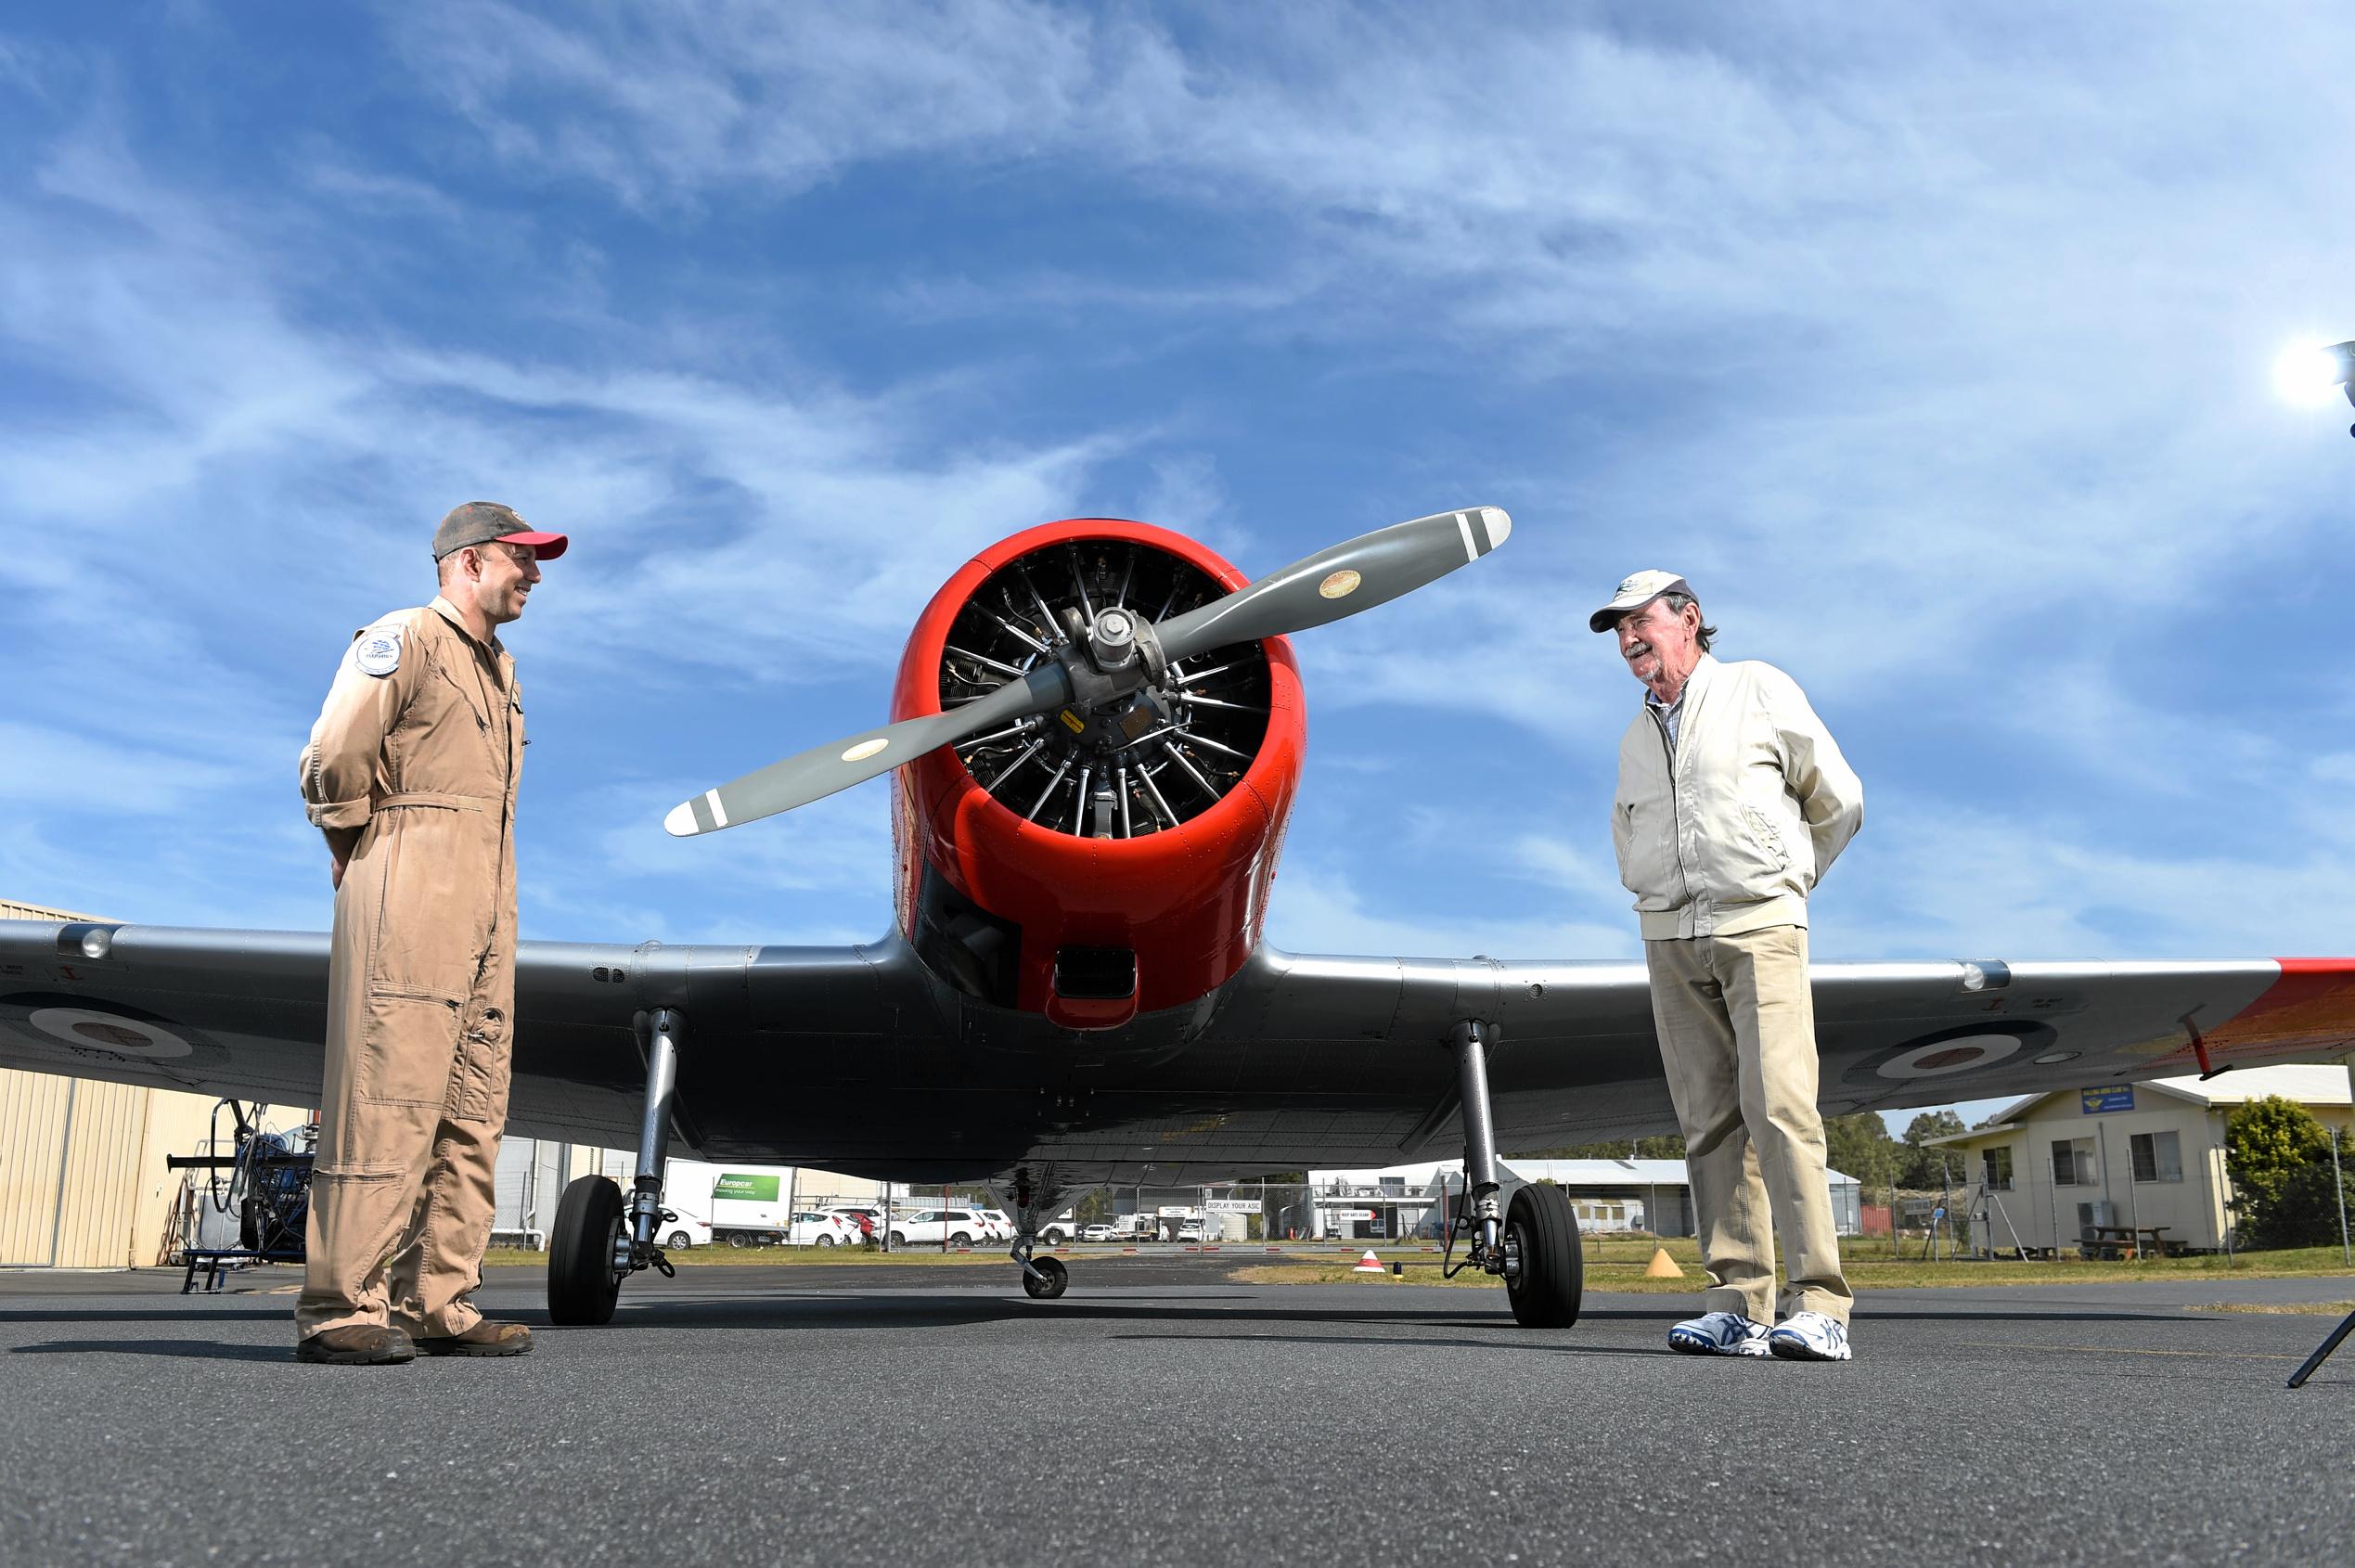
1736 1022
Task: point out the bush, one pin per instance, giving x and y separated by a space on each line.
2274 1149
2304 1211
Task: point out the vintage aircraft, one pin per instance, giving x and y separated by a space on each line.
1098 731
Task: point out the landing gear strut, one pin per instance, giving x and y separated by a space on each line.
600 1238
1532 1246
1043 1279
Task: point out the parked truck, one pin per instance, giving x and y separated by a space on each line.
750 1208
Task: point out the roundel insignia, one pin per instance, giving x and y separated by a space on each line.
1341 585
111 1033
1952 1052
378 653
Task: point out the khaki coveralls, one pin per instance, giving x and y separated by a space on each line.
423 757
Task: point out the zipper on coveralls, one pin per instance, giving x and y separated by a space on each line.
1676 812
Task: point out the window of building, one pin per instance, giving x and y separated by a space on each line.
2073 1163
1995 1167
2158 1157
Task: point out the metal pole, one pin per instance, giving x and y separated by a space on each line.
2135 1198
666 1029
1479 1133
2051 1192
944 1219
2339 1185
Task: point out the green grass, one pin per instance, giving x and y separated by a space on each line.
1618 1263
2285 1309
724 1257
1613 1263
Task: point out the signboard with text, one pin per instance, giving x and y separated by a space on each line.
2110 1096
744 1187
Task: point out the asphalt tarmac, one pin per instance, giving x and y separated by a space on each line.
1165 1413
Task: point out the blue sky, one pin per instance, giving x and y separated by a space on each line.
1934 348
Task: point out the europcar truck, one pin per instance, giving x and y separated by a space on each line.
748 1205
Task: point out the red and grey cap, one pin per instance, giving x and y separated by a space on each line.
479 522
1634 593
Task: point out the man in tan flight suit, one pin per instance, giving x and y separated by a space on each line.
411 773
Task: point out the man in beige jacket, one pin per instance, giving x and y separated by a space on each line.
1732 803
411 773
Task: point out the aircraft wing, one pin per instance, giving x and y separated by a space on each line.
244 1013
854 1059
1337 1063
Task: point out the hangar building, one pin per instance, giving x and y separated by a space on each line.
82 1183
1652 1195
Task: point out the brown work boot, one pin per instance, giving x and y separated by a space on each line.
485 1338
357 1344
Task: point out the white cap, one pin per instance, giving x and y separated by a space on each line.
1634 593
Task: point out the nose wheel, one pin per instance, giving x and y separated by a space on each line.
1045 1279
1533 1244
602 1238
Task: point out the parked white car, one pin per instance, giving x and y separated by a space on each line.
810 1228
1099 1231
685 1231
1001 1227
959 1228
852 1214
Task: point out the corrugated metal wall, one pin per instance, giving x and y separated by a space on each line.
82 1183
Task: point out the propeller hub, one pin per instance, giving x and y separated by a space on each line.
1111 641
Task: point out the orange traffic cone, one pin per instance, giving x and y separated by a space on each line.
1662 1265
1369 1265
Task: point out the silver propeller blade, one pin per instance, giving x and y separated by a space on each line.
1368 571
837 765
1372 569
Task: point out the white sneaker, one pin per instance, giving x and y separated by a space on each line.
1810 1336
1718 1333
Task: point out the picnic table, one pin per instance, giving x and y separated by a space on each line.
2125 1241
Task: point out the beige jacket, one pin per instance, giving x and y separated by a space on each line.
1729 832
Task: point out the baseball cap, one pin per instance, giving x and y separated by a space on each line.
479 522
1634 593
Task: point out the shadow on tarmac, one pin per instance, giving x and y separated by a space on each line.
201 1349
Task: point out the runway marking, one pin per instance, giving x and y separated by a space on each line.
2122 1349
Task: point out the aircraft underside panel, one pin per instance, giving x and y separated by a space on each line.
858 1060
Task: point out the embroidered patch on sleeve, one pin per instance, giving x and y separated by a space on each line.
378 653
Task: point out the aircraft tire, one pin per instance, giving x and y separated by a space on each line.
580 1285
1057 1280
1553 1282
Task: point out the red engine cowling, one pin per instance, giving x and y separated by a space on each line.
1092 867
